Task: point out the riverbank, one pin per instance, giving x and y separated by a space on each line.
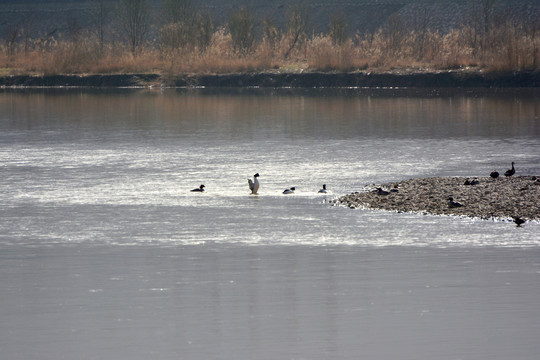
404 78
503 198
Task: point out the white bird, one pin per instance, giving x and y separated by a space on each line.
199 189
254 185
289 191
323 190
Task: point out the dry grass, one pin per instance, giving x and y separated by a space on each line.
507 47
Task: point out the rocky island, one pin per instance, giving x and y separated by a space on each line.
484 197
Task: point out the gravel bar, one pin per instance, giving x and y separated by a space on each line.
487 198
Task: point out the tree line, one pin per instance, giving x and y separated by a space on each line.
189 40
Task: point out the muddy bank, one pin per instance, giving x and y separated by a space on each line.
502 198
367 79
456 78
118 80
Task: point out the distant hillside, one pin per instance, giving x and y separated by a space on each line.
46 16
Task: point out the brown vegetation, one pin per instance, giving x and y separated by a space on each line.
196 46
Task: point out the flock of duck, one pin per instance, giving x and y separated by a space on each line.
422 194
254 187
494 174
475 181
509 172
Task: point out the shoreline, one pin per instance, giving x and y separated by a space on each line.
501 198
315 79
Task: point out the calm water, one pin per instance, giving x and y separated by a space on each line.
106 254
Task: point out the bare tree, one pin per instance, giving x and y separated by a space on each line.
487 9
176 36
338 28
135 22
297 27
395 34
73 29
27 30
204 30
186 26
420 25
101 15
271 34
480 22
179 11
11 37
180 28
242 27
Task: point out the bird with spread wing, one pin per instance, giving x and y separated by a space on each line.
254 185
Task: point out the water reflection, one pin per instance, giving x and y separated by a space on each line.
259 114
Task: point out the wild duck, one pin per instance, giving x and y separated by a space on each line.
511 171
289 190
254 185
199 189
453 204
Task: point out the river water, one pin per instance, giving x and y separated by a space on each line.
105 253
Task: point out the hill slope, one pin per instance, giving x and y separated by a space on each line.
44 16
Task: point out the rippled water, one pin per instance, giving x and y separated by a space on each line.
116 168
105 253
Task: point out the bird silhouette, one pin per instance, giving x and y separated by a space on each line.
518 221
254 185
453 204
511 171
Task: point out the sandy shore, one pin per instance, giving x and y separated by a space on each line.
503 198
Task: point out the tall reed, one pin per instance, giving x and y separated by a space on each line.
508 46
